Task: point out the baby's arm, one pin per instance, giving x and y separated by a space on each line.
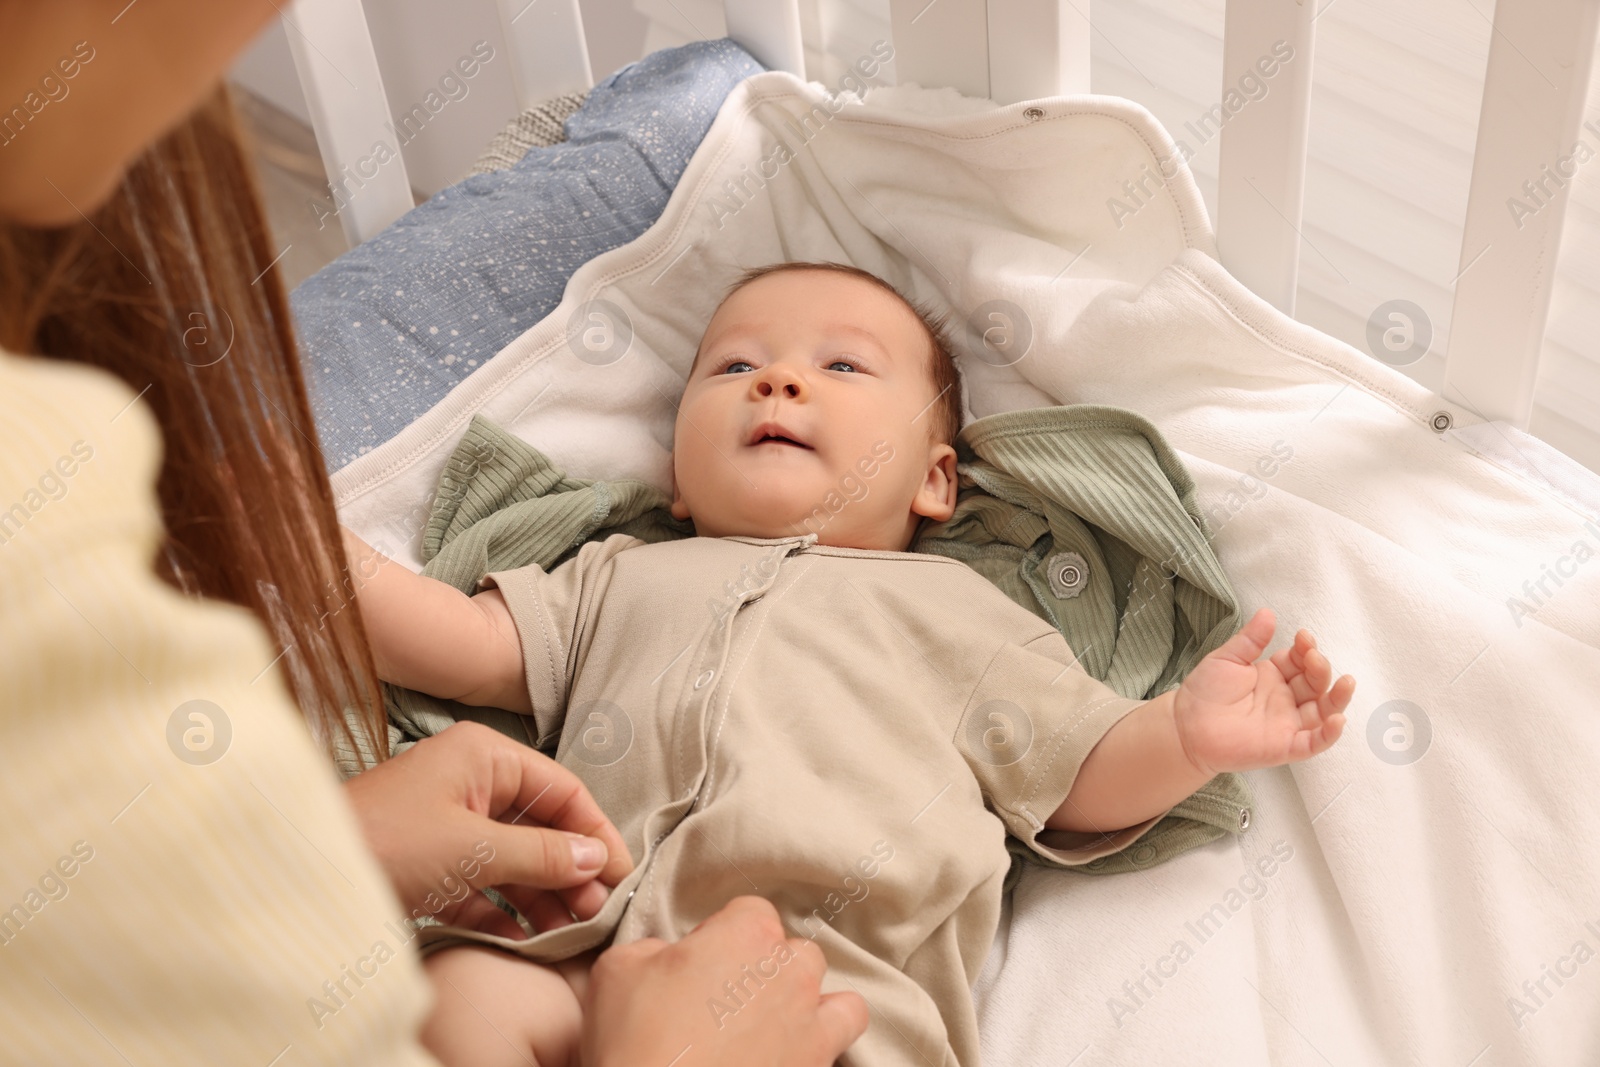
433 638
1230 714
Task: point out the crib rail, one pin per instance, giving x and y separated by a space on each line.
1012 50
1006 50
1261 175
349 114
1533 98
549 54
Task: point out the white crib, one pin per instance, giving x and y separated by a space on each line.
1426 889
1015 50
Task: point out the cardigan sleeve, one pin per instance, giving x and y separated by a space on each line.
182 881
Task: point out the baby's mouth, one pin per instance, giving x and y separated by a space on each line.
772 433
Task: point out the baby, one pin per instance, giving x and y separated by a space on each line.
849 730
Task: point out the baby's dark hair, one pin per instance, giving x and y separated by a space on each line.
946 409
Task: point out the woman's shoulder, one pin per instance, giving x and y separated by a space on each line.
79 462
78 444
55 387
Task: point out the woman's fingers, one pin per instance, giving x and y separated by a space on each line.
541 858
430 817
547 909
644 1003
478 912
841 1018
541 907
530 788
585 901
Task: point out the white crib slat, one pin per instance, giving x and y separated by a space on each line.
1006 50
1533 98
1037 48
338 70
941 42
769 30
549 53
1261 172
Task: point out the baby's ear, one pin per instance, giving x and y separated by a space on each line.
680 510
936 499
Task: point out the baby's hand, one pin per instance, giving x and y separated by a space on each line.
1235 714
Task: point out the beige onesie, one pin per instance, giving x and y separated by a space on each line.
848 733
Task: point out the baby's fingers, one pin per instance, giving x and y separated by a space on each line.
1319 671
1291 660
1308 743
1328 732
1293 664
1286 665
1335 700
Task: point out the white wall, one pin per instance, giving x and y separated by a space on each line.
266 70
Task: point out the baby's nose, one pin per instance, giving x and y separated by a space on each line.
780 378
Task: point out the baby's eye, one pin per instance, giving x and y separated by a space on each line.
726 367
845 363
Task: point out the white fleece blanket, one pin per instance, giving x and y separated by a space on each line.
1425 892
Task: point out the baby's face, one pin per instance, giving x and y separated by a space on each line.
809 410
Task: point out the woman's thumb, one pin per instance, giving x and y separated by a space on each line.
542 858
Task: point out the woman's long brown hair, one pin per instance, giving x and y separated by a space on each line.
169 287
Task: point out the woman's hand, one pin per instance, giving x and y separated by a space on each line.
472 807
646 1000
1235 714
